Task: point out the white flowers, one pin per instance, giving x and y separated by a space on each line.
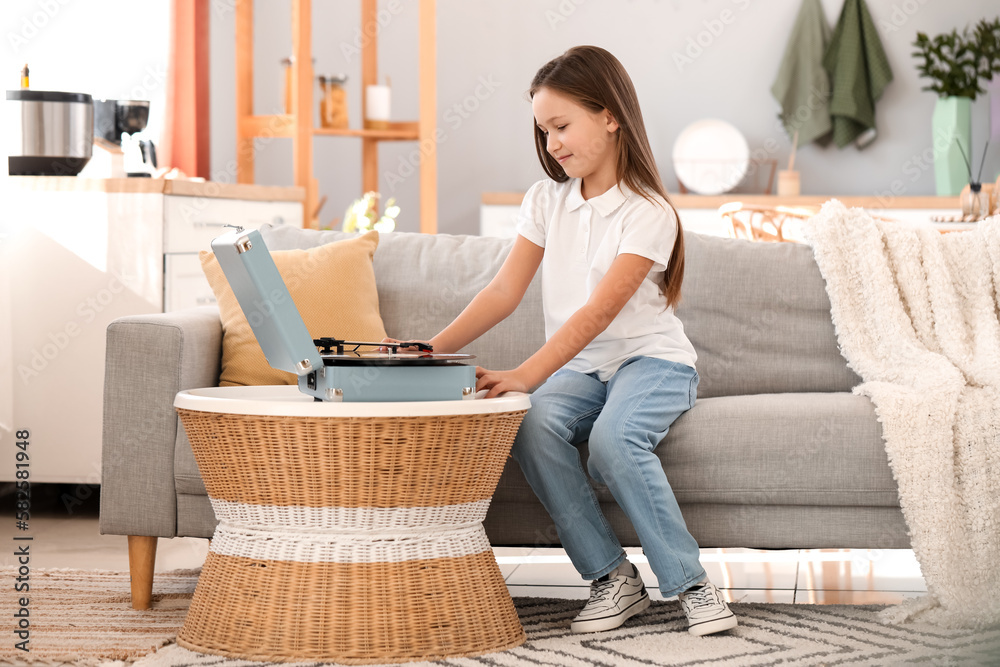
362 215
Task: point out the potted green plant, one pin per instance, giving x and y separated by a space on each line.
957 63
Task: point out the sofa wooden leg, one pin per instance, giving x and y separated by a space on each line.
141 561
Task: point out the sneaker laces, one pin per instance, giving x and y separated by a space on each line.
599 589
700 597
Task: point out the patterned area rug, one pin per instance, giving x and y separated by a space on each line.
768 634
84 618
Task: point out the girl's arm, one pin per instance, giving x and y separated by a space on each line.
495 301
621 281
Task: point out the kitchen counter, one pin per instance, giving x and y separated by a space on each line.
700 213
178 187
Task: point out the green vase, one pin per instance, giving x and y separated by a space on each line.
952 124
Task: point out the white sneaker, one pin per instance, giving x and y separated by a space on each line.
614 598
705 609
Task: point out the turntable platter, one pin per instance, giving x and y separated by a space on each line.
373 358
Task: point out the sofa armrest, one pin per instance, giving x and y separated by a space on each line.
149 359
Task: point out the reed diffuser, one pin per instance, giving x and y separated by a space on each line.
975 202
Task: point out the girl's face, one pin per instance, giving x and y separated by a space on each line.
582 141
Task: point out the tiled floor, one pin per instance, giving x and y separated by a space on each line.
829 576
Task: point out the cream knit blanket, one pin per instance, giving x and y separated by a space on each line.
916 315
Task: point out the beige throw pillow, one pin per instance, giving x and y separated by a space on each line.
332 285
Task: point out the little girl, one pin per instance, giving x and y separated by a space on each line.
616 369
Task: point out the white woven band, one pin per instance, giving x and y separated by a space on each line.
368 547
348 518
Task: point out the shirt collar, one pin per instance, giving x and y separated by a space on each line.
605 204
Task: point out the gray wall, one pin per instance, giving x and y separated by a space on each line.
487 144
487 54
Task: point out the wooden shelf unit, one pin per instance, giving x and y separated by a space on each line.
298 125
392 133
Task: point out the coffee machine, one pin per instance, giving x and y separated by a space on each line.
121 122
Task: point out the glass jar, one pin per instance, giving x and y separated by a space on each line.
333 102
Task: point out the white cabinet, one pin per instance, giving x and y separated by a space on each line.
185 285
190 224
75 254
498 220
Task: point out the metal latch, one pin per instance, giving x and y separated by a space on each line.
243 245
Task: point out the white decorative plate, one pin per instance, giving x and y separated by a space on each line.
711 156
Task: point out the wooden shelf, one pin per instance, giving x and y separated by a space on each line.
298 123
283 125
382 135
275 125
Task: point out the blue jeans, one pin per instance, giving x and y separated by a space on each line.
624 419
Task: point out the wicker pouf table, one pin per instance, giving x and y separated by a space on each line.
349 532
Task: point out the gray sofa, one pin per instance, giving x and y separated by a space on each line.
776 453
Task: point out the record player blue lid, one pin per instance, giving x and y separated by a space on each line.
266 302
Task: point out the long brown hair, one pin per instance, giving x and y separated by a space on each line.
595 80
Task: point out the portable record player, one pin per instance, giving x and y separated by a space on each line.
332 369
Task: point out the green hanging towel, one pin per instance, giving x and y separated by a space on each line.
802 87
859 72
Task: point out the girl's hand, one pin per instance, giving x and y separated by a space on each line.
500 381
394 340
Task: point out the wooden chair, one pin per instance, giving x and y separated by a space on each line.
763 223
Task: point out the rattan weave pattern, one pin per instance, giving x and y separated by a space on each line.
421 581
349 518
332 547
291 611
376 461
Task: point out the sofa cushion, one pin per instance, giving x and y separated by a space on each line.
333 287
523 522
424 281
767 449
759 317
780 449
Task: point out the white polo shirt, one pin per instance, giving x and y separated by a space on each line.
582 239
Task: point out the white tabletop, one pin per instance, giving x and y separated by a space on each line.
288 401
